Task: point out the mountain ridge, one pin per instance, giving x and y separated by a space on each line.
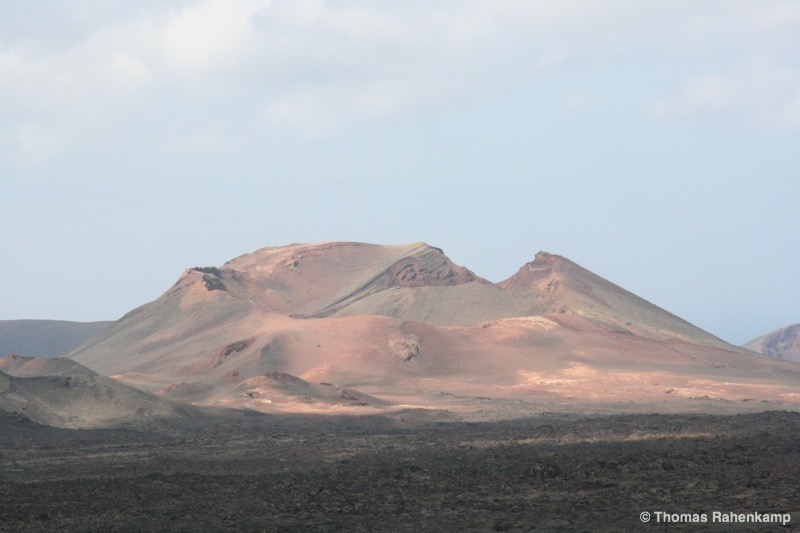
45 338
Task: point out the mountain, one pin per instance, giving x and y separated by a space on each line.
45 338
783 343
337 326
62 393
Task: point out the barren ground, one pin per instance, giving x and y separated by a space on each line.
552 473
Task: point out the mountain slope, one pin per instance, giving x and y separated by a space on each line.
45 338
783 343
562 285
62 393
404 325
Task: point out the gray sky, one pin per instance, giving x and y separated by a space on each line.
655 143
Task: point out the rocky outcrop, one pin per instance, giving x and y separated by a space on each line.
404 348
429 268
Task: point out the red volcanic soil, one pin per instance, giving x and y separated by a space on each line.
362 328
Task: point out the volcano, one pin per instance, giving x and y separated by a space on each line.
354 327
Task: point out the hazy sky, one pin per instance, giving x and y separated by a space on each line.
655 143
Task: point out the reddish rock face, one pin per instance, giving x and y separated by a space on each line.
429 269
543 265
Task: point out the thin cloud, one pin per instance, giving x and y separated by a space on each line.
36 144
577 101
757 92
313 67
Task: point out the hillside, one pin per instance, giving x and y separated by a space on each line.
782 343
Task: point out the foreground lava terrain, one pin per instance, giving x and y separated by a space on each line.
269 473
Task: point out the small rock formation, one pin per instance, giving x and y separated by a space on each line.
217 358
214 271
212 278
232 348
543 265
404 348
281 379
213 283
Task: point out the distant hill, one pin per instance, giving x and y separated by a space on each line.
782 343
45 338
346 327
62 393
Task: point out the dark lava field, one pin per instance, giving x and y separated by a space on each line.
268 473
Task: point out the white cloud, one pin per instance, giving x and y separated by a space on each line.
314 66
209 36
741 63
294 13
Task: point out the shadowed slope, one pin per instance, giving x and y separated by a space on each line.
189 314
63 393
